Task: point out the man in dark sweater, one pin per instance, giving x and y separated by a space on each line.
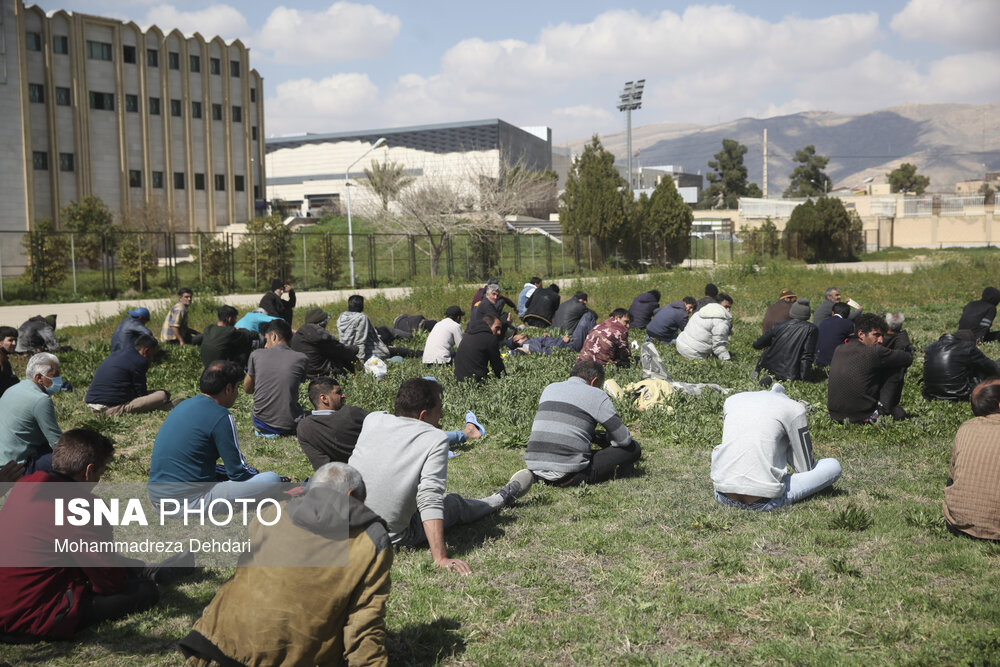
833 331
859 372
541 306
978 316
480 348
711 292
779 310
669 321
570 311
119 385
274 305
642 308
133 326
330 432
327 355
559 450
490 305
223 340
8 342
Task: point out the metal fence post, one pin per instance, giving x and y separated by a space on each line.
201 275
255 262
590 251
548 255
72 259
413 256
372 268
305 266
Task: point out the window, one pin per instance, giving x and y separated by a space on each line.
216 112
154 106
237 114
134 178
253 94
220 182
196 109
175 107
60 44
215 66
256 192
64 97
239 183
253 133
195 63
36 93
128 54
102 101
157 179
33 41
98 50
178 180
40 159
152 57
131 103
234 68
199 181
173 60
66 162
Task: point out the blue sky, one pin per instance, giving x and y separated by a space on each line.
341 66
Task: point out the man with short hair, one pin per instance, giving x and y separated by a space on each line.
542 306
560 452
779 310
274 305
858 391
570 311
762 433
403 459
895 338
954 365
444 338
607 343
321 615
978 316
711 294
971 494
790 345
480 349
8 343
669 321
37 334
355 329
525 294
223 340
54 602
490 305
825 308
642 308
130 328
833 331
175 329
195 435
273 378
28 426
707 331
119 384
326 354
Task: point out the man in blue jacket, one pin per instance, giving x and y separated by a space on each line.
129 329
669 321
119 385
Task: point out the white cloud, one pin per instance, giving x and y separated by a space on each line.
221 20
337 102
343 31
964 24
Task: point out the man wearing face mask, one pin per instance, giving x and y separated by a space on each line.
28 426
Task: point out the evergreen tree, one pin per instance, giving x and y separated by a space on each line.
90 218
905 178
808 179
728 181
668 219
826 230
596 199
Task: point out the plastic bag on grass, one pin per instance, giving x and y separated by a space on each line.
376 367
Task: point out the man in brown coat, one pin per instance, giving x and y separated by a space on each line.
779 310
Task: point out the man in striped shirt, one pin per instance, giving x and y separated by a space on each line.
559 450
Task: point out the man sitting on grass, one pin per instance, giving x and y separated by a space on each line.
224 341
119 384
273 378
971 494
326 354
762 432
607 343
329 614
559 450
130 328
403 459
28 426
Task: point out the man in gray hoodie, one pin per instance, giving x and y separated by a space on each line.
403 459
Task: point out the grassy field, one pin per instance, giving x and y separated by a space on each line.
646 570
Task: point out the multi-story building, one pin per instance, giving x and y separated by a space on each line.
138 117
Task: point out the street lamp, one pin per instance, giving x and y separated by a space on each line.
631 99
347 187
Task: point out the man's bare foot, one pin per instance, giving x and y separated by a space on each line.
471 432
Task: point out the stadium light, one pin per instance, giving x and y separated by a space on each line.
630 99
347 186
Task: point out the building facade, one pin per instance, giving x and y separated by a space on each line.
138 117
309 172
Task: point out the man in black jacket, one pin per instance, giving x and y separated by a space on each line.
119 385
569 313
479 347
642 308
790 345
274 305
954 365
542 306
327 356
978 316
491 304
859 371
8 342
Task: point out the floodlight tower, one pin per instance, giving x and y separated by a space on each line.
631 99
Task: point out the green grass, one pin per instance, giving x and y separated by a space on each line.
648 570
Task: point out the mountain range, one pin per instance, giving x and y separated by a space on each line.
947 142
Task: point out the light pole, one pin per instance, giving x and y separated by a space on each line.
631 99
347 187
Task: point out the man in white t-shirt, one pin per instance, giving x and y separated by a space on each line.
444 338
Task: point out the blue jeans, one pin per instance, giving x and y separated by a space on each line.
261 485
798 486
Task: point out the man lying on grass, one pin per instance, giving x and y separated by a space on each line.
762 432
403 459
